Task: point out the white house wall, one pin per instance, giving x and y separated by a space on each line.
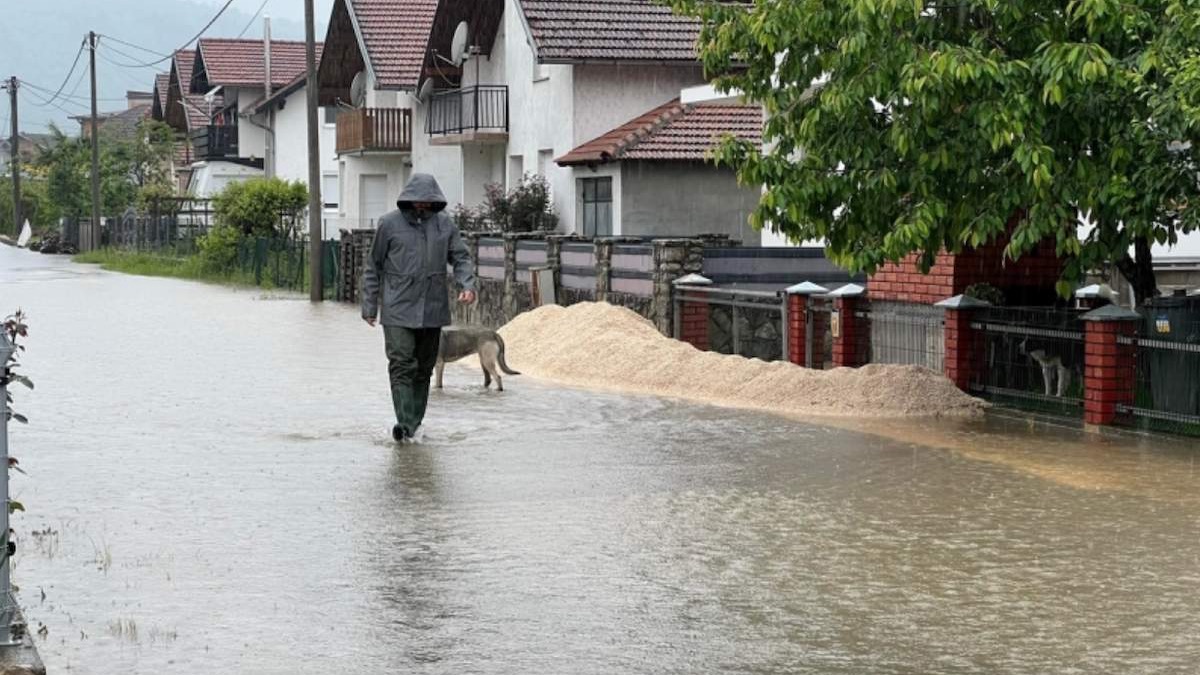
291 150
252 139
443 162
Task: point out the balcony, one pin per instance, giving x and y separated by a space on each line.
215 142
382 130
469 115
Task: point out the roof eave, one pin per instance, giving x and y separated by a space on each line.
362 44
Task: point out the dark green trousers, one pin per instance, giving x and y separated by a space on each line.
412 354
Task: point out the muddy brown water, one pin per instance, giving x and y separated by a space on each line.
211 489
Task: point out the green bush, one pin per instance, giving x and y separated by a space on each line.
525 208
260 207
219 248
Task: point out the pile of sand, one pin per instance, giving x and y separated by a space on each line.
607 347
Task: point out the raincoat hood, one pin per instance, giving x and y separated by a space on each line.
422 187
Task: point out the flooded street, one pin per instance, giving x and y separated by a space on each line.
213 489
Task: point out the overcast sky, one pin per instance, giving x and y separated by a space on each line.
286 9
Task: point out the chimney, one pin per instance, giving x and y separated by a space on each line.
267 54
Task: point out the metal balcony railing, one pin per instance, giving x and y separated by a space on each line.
374 130
482 109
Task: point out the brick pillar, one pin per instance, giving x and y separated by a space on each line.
850 336
674 259
1108 363
691 326
964 345
798 298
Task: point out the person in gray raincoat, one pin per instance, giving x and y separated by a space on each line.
405 288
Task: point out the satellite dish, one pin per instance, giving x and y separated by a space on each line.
425 90
358 90
459 48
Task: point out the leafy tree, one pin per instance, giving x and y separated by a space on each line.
36 206
129 166
902 126
260 206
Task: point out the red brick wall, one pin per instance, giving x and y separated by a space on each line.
1026 281
1108 370
693 324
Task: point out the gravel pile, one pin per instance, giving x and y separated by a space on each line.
607 347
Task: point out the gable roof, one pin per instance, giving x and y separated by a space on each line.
670 132
569 31
180 96
121 124
162 83
240 63
395 34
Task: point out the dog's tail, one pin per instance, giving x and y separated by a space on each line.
500 359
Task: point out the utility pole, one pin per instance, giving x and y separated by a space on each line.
15 164
93 238
316 292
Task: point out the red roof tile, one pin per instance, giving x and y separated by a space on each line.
197 108
162 82
626 30
671 132
239 63
396 34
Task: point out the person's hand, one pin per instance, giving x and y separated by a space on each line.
467 297
370 321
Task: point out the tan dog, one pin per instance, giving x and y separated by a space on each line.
460 342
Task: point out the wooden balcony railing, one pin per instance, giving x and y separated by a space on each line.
374 130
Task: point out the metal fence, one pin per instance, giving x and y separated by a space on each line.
747 323
905 334
1032 357
1167 373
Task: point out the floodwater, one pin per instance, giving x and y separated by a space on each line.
211 489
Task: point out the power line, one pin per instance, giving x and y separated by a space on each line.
67 79
130 44
185 45
36 91
66 97
253 18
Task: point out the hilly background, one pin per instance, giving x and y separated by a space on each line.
39 39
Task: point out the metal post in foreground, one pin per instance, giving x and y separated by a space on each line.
316 282
8 606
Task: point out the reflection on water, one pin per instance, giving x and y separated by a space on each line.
212 487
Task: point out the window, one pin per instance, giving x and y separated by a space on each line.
544 158
331 113
329 191
597 202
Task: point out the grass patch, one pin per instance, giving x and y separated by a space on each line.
163 265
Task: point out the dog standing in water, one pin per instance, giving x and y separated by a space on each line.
460 342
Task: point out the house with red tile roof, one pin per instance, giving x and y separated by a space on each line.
592 91
532 82
238 142
369 76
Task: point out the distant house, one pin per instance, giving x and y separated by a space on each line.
653 177
28 148
535 81
181 164
369 74
190 115
121 124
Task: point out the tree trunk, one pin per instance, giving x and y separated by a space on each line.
1139 271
